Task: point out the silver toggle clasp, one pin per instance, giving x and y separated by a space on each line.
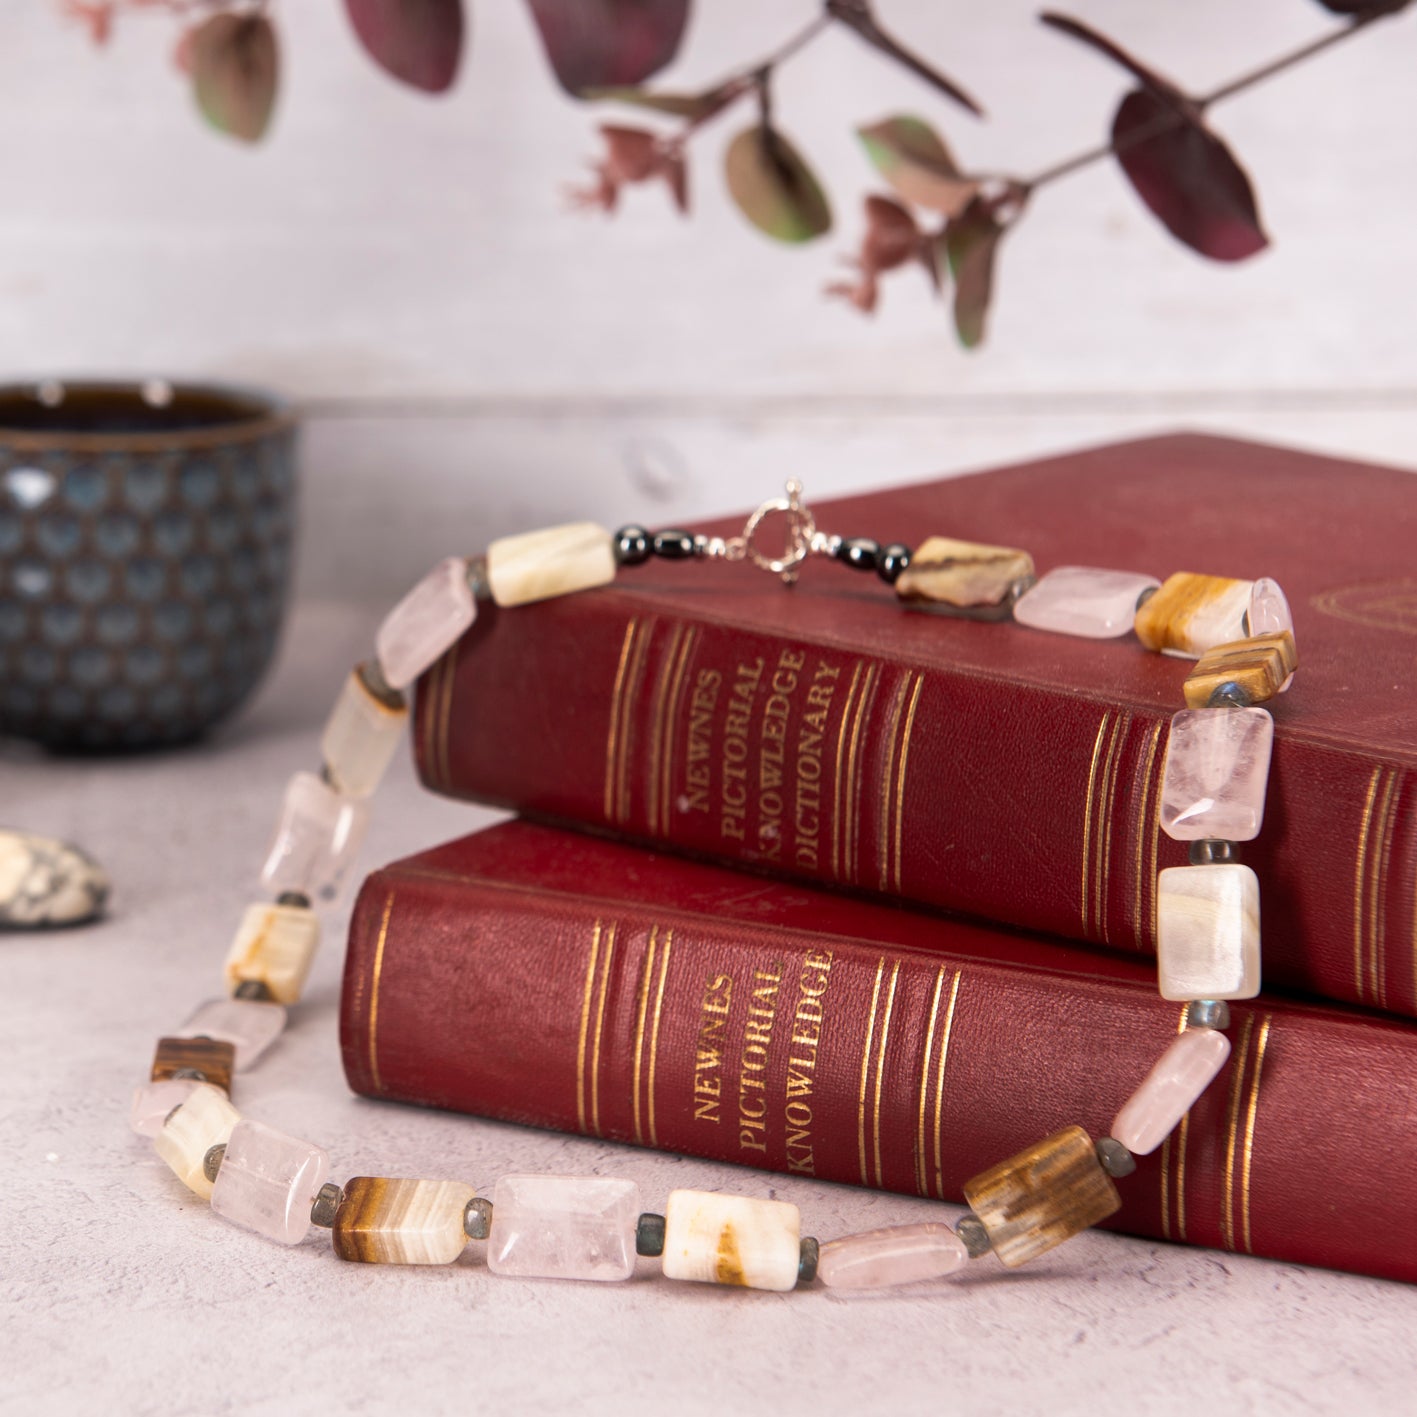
803 539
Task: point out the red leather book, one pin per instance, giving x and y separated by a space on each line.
828 734
568 981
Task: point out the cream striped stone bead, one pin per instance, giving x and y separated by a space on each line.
554 561
206 1119
1193 613
274 946
362 736
387 1220
718 1239
1208 932
963 575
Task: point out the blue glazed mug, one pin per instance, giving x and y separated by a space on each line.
145 544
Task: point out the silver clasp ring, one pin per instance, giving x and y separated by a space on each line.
802 535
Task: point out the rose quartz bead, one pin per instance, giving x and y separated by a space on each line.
425 623
316 840
248 1025
268 1182
1085 601
154 1100
1181 1074
1217 769
879 1259
563 1227
1270 615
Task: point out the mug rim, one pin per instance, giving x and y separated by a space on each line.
265 414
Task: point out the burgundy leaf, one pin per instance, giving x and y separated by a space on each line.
971 241
1075 29
418 41
631 156
892 238
596 44
1188 177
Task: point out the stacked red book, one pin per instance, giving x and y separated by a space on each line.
823 735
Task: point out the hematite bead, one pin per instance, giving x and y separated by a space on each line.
632 546
326 1203
1208 1013
971 1230
296 900
211 1162
1115 1158
477 1218
649 1235
807 1263
1209 851
892 561
860 553
255 990
673 545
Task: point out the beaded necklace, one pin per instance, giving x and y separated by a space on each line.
1240 634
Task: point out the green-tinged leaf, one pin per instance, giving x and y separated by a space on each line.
774 188
234 68
417 41
971 241
694 106
608 43
913 158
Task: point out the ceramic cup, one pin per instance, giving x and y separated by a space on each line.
145 546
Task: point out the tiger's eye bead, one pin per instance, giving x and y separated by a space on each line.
673 545
1252 670
209 1060
892 561
860 553
632 546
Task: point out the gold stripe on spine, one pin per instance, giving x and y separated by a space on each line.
640 1008
375 974
599 1029
900 774
1087 816
1377 905
866 1070
921 1175
1165 1189
654 1032
1232 1128
940 1083
1359 876
881 1070
838 803
1249 1151
659 704
853 778
1143 822
883 835
612 744
585 1027
1103 852
676 697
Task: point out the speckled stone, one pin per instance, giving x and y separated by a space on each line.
47 882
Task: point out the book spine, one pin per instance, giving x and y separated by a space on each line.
878 1066
1008 801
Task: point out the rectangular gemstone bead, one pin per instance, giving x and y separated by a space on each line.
1208 932
1258 667
155 1100
563 1227
274 945
1191 613
204 1120
248 1025
429 620
1181 1074
1270 614
718 1239
316 839
213 1058
554 561
383 1220
1085 601
361 737
880 1259
963 575
1217 769
268 1182
1044 1195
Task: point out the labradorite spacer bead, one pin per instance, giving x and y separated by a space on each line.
892 561
255 990
326 1203
859 552
294 900
632 546
1229 695
807 1263
1208 1013
477 1218
971 1230
673 545
649 1235
1115 1158
211 1162
1209 851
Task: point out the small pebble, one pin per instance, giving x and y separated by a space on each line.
44 882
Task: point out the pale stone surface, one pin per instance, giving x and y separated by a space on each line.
1216 773
388 1220
1181 1074
882 1259
1192 613
154 1100
360 739
723 1239
1208 932
317 836
47 882
250 1025
563 1227
203 1121
268 1181
274 944
553 561
966 575
425 623
1270 615
1086 601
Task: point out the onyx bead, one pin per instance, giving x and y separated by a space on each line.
673 545
632 546
860 553
892 560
